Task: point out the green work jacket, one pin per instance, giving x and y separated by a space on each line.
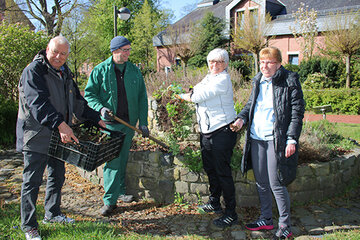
101 90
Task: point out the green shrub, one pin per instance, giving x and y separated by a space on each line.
332 69
343 101
8 116
242 67
18 47
355 74
316 81
292 67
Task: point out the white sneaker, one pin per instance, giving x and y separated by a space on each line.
58 219
126 198
32 234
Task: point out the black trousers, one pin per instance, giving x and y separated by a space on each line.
216 152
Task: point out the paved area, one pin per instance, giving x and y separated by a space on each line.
333 118
82 200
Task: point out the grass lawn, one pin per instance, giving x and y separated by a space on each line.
351 130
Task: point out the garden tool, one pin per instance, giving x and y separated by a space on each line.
119 120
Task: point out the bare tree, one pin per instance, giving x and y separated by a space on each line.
182 41
343 37
305 29
51 15
250 34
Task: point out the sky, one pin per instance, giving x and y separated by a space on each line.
179 7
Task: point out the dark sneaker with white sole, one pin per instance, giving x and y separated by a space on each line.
209 208
32 234
226 221
260 224
283 233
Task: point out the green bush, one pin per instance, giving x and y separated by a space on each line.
197 61
333 69
242 67
343 101
355 74
316 81
18 46
8 116
292 67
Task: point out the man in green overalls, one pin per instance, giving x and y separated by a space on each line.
118 86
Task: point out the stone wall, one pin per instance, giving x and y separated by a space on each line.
158 176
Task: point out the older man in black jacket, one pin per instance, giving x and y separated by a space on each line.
48 99
274 114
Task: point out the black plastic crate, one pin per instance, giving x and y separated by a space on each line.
87 154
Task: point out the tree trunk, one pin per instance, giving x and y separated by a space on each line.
256 62
348 80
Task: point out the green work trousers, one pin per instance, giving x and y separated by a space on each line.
115 170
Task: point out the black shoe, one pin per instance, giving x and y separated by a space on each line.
107 210
208 208
283 233
226 221
260 224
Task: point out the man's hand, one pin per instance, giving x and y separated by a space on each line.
145 131
290 150
237 125
102 124
105 113
66 133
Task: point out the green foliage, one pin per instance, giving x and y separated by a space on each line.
147 24
292 67
343 101
241 66
8 116
208 36
355 74
178 198
98 23
316 81
332 69
192 159
327 135
236 158
197 61
18 47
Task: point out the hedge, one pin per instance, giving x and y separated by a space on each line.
343 101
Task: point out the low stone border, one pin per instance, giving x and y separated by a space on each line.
158 176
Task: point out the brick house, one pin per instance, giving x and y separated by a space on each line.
11 13
233 11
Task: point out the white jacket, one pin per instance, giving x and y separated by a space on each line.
214 102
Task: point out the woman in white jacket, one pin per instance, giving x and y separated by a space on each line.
213 97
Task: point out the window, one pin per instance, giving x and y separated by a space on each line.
251 15
294 59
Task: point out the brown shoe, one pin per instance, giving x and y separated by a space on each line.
107 210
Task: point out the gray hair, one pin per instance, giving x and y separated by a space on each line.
59 40
218 54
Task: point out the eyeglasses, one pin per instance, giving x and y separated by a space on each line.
215 61
267 62
125 49
56 52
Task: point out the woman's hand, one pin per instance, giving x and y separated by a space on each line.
237 125
290 150
185 96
